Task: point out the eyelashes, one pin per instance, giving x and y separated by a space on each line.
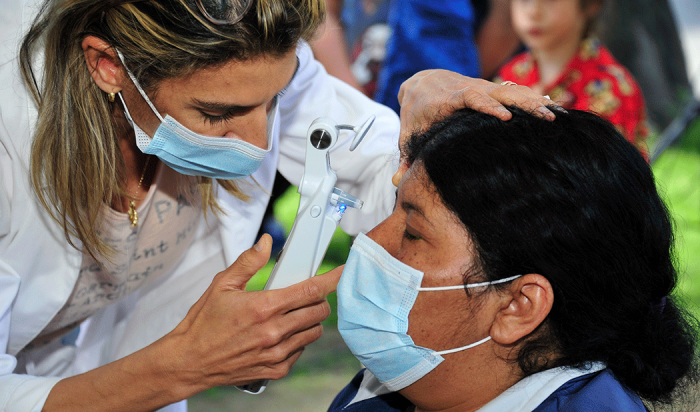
230 114
409 236
215 120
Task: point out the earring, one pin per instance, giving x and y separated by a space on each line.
110 96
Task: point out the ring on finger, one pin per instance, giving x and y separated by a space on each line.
508 83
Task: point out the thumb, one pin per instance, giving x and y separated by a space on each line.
235 277
248 263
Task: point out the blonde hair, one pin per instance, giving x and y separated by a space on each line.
76 163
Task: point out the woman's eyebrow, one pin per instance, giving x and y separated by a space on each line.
412 207
221 107
234 108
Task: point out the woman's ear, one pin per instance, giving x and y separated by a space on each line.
528 302
103 64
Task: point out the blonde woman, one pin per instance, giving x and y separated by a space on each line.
139 141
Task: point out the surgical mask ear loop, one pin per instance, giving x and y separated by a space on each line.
143 139
138 87
468 286
471 345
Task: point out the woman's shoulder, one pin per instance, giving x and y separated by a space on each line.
594 392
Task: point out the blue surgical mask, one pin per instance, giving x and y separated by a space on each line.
375 295
194 154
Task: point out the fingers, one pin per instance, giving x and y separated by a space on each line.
332 276
524 98
264 363
305 293
431 94
280 313
480 101
285 325
275 355
276 362
294 345
248 263
237 336
275 371
236 276
301 316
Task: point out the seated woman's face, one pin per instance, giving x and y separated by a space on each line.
422 233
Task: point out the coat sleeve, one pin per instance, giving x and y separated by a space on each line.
365 172
18 393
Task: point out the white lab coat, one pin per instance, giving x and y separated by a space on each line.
38 268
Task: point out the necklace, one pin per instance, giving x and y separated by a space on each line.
133 216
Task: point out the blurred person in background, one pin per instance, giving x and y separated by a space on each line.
388 41
567 62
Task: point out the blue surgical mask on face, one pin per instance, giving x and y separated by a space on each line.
194 154
375 295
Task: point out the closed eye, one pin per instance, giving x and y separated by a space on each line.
410 236
217 119
227 113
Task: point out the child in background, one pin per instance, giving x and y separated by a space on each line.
565 62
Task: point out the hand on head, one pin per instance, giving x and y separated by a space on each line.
450 91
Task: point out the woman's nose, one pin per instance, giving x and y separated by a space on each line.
387 235
253 129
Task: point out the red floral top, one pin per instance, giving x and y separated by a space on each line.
594 81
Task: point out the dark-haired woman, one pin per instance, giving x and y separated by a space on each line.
526 266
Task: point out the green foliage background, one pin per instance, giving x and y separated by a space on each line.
677 173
